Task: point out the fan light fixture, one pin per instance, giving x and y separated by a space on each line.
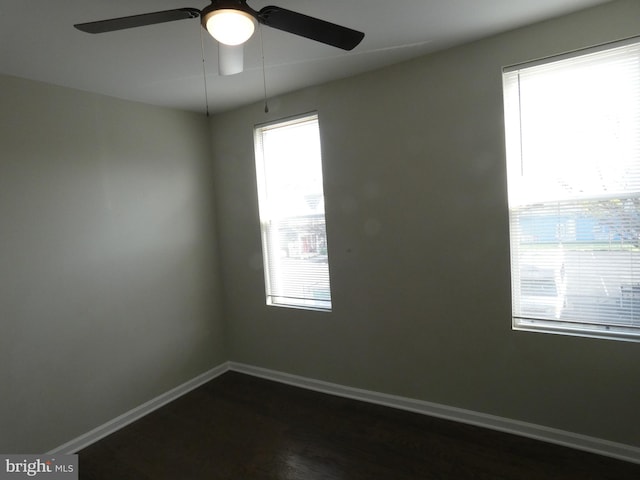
229 26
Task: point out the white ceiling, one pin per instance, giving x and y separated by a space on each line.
162 64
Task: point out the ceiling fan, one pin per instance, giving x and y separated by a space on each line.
232 22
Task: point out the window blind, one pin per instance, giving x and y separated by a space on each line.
573 160
291 202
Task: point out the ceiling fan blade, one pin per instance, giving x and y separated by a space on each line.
230 59
310 27
132 21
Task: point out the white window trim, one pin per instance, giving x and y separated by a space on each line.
513 147
272 297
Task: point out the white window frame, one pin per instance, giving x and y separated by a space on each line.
561 323
298 278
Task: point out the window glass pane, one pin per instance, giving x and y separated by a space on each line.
573 158
289 166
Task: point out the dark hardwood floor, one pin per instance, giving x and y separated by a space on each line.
242 428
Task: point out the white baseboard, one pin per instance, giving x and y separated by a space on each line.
552 435
138 412
538 432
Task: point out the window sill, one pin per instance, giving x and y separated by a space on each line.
302 306
625 334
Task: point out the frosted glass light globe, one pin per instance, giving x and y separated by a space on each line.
231 27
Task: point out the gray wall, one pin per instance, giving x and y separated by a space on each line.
109 294
418 243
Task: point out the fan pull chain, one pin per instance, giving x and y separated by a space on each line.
264 75
204 73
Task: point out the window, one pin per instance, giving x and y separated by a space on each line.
573 161
291 201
